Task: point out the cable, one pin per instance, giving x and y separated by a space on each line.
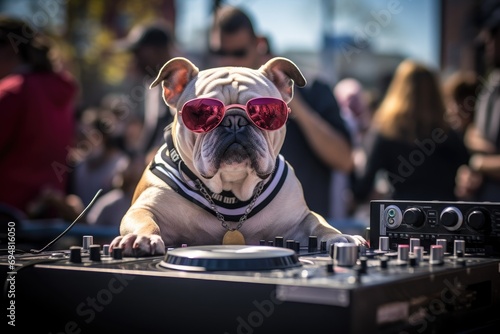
7 251
35 251
11 275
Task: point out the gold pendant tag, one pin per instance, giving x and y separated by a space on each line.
233 237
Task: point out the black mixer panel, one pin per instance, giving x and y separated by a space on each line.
252 289
475 227
431 267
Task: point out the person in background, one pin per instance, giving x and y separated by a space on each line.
151 46
354 107
317 139
109 209
411 141
120 127
460 91
37 104
98 156
479 179
356 113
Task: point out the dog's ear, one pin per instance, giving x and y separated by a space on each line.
174 76
283 73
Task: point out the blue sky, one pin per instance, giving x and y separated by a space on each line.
412 29
300 24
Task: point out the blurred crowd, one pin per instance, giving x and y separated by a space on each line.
429 137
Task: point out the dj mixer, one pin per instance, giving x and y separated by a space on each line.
276 287
475 225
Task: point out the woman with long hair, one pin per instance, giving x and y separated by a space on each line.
411 141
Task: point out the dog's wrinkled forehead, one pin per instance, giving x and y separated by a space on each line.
181 80
231 85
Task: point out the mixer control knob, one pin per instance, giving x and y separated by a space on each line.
331 252
418 251
363 260
278 241
437 254
459 248
75 255
117 253
87 241
413 261
384 262
477 220
322 246
403 252
296 246
414 217
105 250
312 245
443 243
345 254
95 252
414 242
451 218
383 244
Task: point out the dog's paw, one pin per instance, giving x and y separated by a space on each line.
139 244
354 239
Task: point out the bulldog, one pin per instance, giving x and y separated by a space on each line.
219 177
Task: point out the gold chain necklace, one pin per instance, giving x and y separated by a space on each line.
233 236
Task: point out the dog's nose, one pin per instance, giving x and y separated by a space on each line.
234 122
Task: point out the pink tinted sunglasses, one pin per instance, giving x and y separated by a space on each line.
205 114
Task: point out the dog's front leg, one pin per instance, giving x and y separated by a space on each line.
140 235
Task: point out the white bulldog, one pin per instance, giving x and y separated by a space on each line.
219 178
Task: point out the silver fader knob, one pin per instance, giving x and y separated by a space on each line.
383 244
414 242
403 252
459 248
443 243
418 251
105 250
437 254
87 241
345 254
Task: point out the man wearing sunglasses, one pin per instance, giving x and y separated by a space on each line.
317 139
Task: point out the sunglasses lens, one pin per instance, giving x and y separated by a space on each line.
202 115
268 113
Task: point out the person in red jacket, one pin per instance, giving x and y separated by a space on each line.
36 118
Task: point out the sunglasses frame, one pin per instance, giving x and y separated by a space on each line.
239 106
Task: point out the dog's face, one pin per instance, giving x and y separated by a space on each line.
236 155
